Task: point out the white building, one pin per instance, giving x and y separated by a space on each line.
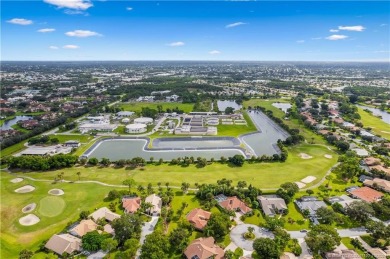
143 120
126 120
124 114
104 127
136 128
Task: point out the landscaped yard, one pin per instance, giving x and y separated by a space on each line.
137 106
80 138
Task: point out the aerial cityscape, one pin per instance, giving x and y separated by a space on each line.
195 129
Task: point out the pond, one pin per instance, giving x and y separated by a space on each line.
283 106
116 149
265 141
9 123
385 116
222 105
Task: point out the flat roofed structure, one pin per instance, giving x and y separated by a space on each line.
136 128
143 120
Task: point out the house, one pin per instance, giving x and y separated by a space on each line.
363 177
72 143
380 168
198 218
311 204
85 226
131 204
366 194
370 161
378 183
272 205
343 200
204 248
104 212
342 254
233 204
379 253
28 124
108 229
156 202
63 243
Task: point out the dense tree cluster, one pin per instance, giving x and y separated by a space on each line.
42 163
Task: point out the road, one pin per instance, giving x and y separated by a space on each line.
352 232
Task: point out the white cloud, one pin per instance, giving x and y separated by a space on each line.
82 33
71 4
71 47
352 28
53 47
333 30
235 24
46 30
336 37
176 44
215 52
129 8
300 41
73 12
20 21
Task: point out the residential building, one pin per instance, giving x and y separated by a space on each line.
204 248
272 205
342 254
366 194
131 204
378 183
234 204
198 218
311 204
64 243
156 202
85 226
104 212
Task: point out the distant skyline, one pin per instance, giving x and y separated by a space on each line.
60 30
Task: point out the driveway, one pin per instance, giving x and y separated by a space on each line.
148 228
305 252
236 235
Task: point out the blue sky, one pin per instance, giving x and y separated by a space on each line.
195 30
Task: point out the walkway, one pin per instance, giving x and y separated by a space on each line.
147 229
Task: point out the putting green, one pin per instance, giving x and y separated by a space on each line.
51 206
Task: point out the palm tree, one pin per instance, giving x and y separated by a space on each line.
251 229
78 173
167 184
184 187
130 183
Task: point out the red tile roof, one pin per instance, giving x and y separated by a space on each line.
204 248
131 205
367 194
198 218
234 203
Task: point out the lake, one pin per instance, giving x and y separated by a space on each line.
385 116
9 123
283 106
222 105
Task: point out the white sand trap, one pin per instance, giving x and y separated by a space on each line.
28 208
16 180
300 185
308 179
25 189
328 156
304 156
56 192
29 220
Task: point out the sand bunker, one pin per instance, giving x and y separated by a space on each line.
29 220
16 180
56 192
308 179
30 207
300 185
25 189
304 156
328 156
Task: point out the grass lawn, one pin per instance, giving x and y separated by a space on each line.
256 218
259 175
237 130
378 126
137 106
80 138
347 242
13 149
51 206
15 237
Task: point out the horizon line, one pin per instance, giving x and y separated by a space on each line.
194 60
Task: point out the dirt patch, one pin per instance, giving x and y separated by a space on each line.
304 156
328 156
56 192
28 208
308 179
29 220
25 189
16 180
300 185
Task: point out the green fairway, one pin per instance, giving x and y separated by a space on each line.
378 126
51 206
294 169
137 106
15 237
64 138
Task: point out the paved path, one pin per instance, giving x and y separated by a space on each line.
352 232
236 235
147 229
